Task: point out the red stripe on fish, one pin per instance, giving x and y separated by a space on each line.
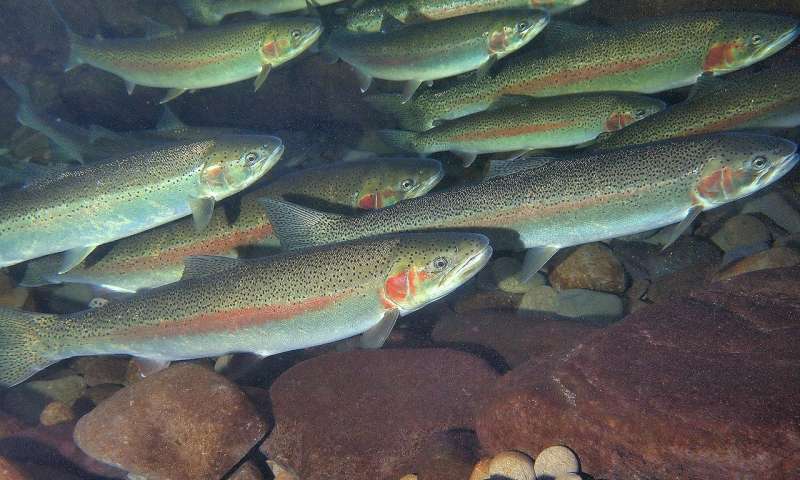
512 132
580 74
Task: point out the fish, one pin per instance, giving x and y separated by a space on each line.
531 125
197 59
156 257
373 16
431 51
646 56
211 12
82 208
264 306
769 99
546 204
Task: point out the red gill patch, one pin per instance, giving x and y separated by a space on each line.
720 55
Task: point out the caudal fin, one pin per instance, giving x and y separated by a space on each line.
23 346
396 105
299 227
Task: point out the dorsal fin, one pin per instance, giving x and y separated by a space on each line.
202 265
297 227
501 168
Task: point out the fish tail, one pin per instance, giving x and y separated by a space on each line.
396 105
299 227
24 348
75 40
399 139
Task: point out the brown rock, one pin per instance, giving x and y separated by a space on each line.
496 299
773 258
516 337
705 385
10 471
591 267
248 471
185 422
55 413
369 414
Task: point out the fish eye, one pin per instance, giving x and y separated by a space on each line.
760 162
522 26
251 158
407 184
439 264
756 39
296 34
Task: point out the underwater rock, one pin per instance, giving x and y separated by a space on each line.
505 272
706 384
100 393
590 305
512 465
646 261
515 337
775 206
680 283
496 299
447 455
101 370
28 400
543 298
185 422
773 258
248 471
368 414
741 231
590 267
10 471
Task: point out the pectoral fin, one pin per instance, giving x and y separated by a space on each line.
262 76
149 366
467 158
485 69
376 336
409 88
678 229
535 258
202 208
129 87
72 258
364 80
172 94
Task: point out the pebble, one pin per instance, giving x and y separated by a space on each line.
497 300
592 267
281 472
541 298
512 465
555 462
481 470
505 272
773 258
741 231
55 413
588 304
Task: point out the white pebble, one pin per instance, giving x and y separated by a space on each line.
555 462
512 465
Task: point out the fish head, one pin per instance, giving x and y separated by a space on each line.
738 164
235 162
427 266
512 29
397 179
287 38
740 40
630 108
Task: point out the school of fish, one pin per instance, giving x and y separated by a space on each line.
208 251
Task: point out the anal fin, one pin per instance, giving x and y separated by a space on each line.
262 76
202 209
409 88
678 229
149 366
172 94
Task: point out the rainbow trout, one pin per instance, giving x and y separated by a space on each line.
434 50
197 59
543 123
547 204
211 12
156 257
767 99
647 56
80 209
373 16
263 306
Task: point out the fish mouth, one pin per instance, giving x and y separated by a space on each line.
312 35
427 185
471 266
788 163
